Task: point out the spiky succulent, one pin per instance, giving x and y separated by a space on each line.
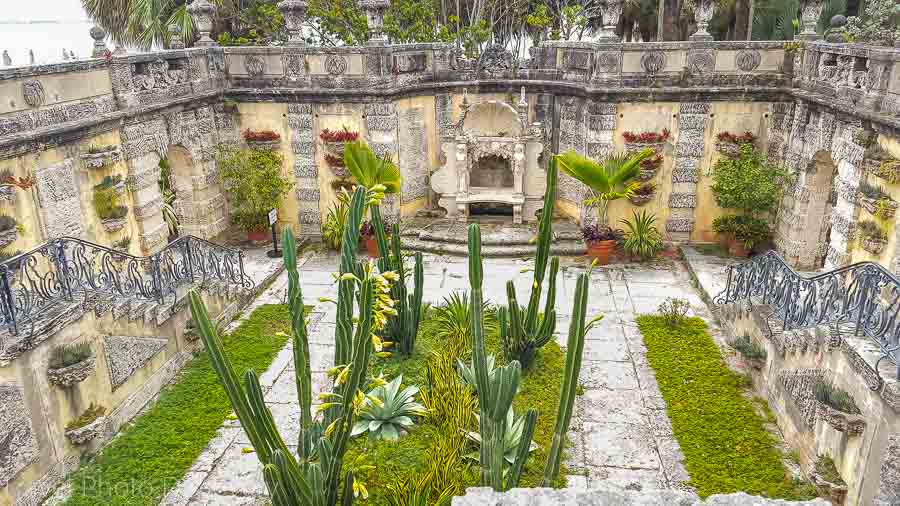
467 371
512 436
388 411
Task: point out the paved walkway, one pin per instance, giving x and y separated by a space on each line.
621 433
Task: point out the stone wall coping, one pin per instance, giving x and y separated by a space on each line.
664 46
861 50
25 71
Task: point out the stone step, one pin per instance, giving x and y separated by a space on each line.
562 248
511 238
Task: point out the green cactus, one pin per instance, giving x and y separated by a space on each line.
315 477
404 327
523 334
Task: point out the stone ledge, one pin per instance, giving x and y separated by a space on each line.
609 496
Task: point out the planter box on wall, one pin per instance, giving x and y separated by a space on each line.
70 375
853 425
84 434
888 208
8 237
115 224
100 160
640 200
873 246
264 145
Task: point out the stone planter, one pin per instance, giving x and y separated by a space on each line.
835 492
646 174
732 149
8 237
335 148
873 246
889 207
264 145
70 375
853 425
120 188
84 434
114 224
633 147
100 160
640 200
7 194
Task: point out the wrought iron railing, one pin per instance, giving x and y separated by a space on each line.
864 294
68 268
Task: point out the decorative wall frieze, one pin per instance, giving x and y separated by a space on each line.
33 91
413 154
682 225
56 115
653 62
682 200
701 62
139 139
60 202
300 121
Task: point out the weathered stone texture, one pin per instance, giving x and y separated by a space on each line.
20 446
60 202
125 354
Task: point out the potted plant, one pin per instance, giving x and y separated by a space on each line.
98 157
724 227
106 203
730 144
9 230
642 239
650 166
873 199
638 141
872 237
601 241
87 426
367 232
262 139
608 180
643 194
70 364
255 184
748 233
753 353
838 409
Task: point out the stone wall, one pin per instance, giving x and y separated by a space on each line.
604 496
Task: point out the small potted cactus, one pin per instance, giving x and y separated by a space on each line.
87 426
70 364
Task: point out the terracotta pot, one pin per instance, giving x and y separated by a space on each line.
724 241
601 250
259 235
736 248
372 247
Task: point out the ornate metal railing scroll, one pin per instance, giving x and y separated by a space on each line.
864 294
67 269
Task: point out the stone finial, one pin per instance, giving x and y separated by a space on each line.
812 9
99 36
7 61
837 33
203 12
175 39
611 11
31 56
703 14
375 18
65 54
294 12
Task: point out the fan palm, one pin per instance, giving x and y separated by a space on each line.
143 23
370 170
610 179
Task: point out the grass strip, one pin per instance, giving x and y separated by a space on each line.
726 446
151 455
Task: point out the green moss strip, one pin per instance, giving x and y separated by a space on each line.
149 457
725 444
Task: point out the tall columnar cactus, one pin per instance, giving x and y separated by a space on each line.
404 326
314 477
523 334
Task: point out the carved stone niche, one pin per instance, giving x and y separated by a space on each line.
492 161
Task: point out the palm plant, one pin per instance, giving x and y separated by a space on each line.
642 239
773 19
388 411
610 179
143 23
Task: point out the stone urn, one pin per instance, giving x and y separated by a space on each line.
114 224
874 245
72 374
87 433
8 237
852 425
94 161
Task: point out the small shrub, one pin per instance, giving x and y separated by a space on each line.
108 182
826 469
647 137
834 397
70 354
515 427
467 371
255 184
387 413
92 413
594 233
642 239
7 223
123 243
334 225
260 135
674 311
870 229
409 491
748 348
871 191
453 318
106 203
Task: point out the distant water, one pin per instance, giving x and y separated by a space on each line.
47 40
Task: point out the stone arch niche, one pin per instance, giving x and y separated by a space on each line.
808 221
492 159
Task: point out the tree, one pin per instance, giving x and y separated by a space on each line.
879 24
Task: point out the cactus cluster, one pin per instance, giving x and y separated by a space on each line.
314 477
524 331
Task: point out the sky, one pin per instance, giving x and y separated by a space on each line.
42 9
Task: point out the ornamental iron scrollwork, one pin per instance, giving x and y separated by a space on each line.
864 296
653 61
66 270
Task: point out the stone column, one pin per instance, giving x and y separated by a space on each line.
99 36
693 120
375 17
203 12
703 14
612 11
294 12
812 9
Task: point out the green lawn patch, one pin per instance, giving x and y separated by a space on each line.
408 457
725 444
149 457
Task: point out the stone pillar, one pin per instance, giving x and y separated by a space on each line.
99 36
175 39
693 120
294 12
375 17
203 12
812 9
703 14
611 11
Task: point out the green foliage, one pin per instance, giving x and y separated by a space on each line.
369 170
826 469
254 182
878 24
122 244
512 438
339 21
748 182
832 396
467 371
706 403
642 239
455 319
387 412
69 354
869 229
168 194
410 491
609 180
106 203
108 182
7 222
748 348
871 191
159 447
258 24
408 21
92 413
673 311
335 222
773 19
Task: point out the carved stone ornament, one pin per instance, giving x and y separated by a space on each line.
748 59
99 36
374 10
701 62
33 92
606 62
653 61
294 12
812 10
158 75
255 65
335 64
202 13
703 14
495 60
612 11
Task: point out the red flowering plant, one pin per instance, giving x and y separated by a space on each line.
367 229
343 135
260 136
645 189
744 138
596 233
653 162
334 161
647 137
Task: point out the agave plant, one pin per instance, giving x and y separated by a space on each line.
467 371
454 317
642 239
388 411
610 179
512 436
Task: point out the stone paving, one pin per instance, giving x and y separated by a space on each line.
621 434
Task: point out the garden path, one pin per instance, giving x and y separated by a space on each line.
621 432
